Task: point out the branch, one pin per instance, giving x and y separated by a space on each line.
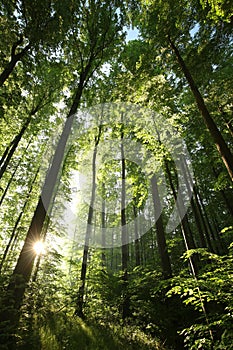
15 45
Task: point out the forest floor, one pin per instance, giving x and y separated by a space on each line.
88 335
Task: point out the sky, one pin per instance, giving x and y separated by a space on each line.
132 34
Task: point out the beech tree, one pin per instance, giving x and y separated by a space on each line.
142 258
95 37
28 26
163 25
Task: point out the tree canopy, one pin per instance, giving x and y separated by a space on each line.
116 171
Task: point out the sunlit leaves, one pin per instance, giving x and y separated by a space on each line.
218 9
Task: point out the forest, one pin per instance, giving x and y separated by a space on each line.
116 170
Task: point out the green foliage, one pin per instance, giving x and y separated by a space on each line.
71 44
66 332
218 9
211 296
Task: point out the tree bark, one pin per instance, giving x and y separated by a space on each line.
12 237
208 230
4 155
202 231
219 141
137 241
214 233
161 240
103 224
11 149
81 291
224 196
23 269
124 237
14 59
14 172
187 234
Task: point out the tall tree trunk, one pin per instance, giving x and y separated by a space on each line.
4 155
103 224
220 143
202 232
14 59
214 233
142 247
23 269
13 236
124 237
187 234
14 172
11 149
202 242
161 240
224 196
137 241
207 229
89 60
81 291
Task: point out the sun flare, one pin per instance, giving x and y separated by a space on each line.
39 247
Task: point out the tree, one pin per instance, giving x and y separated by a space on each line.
81 291
124 233
162 246
218 10
215 133
156 262
96 34
173 19
27 26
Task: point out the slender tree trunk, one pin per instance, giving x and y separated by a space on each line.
14 172
103 222
124 237
202 232
11 150
188 181
187 234
81 291
142 248
14 59
112 253
4 155
224 196
153 245
13 236
88 62
202 242
208 230
24 266
161 240
214 233
221 145
137 241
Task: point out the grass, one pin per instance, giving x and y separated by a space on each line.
63 332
